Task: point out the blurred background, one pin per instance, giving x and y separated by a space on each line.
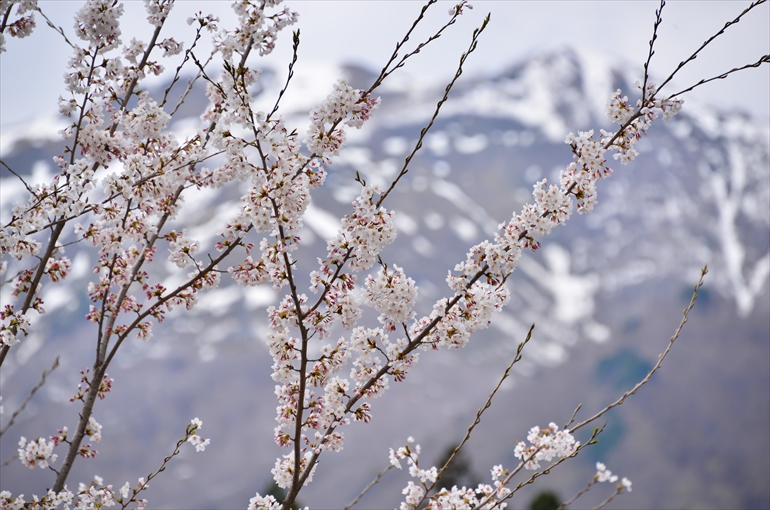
605 293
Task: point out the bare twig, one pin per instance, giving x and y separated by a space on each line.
50 23
574 413
708 41
487 405
385 71
189 431
576 496
618 490
658 21
661 357
369 486
765 59
32 392
31 191
295 48
474 41
186 58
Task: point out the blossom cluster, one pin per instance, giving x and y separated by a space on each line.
38 452
393 294
413 492
284 469
605 475
544 445
412 454
194 439
13 323
484 496
23 25
635 121
50 501
344 103
255 28
93 495
264 503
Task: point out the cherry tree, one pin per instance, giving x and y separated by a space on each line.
123 176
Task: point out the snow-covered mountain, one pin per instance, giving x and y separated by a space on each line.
605 293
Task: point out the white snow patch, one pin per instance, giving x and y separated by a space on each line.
441 168
597 332
454 194
323 223
217 302
438 143
464 228
259 297
549 354
28 347
395 146
311 84
57 296
405 223
471 144
573 294
200 200
424 247
39 131
433 220
81 265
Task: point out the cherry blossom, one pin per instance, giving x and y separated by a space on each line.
545 445
38 452
122 181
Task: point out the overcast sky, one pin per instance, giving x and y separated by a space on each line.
365 32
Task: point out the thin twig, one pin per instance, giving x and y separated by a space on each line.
366 489
618 402
618 490
708 41
474 41
765 59
658 21
295 48
576 496
574 413
487 405
32 392
385 72
179 70
31 191
661 357
60 30
189 431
